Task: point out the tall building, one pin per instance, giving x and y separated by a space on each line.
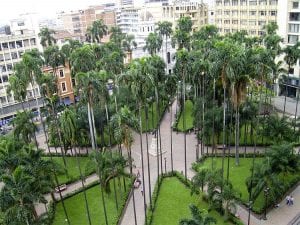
12 48
77 22
196 10
127 19
247 15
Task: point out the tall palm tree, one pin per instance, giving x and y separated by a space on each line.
182 64
96 31
153 43
46 36
164 28
69 129
121 123
199 217
116 35
53 57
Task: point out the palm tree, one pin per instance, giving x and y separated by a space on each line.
292 54
82 59
128 44
24 129
181 36
18 208
67 50
199 217
46 36
87 84
199 180
96 31
116 35
69 128
164 28
153 43
53 57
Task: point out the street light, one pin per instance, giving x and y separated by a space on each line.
266 193
249 211
165 164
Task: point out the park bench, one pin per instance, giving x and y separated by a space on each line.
61 188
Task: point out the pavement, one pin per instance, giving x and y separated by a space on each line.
290 106
279 216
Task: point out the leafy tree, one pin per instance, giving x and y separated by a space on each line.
82 60
164 29
53 57
128 44
199 180
199 217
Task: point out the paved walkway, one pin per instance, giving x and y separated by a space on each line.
279 216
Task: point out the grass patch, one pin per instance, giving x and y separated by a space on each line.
72 173
189 119
153 119
239 174
76 210
173 201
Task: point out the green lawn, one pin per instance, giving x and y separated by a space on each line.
76 210
189 119
152 116
173 201
72 168
243 133
238 176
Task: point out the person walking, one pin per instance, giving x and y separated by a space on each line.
292 200
142 191
288 199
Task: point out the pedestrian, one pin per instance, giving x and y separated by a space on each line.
292 200
138 173
288 199
142 191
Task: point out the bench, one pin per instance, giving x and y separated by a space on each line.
61 188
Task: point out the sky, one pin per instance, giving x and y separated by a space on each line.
10 9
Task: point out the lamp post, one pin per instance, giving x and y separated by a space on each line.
165 164
249 211
266 193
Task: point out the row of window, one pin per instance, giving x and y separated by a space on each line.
246 13
17 44
11 56
246 2
250 32
243 22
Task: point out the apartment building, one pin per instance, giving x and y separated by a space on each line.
77 22
127 19
12 48
64 83
245 15
196 10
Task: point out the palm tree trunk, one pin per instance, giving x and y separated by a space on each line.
94 126
213 128
148 161
91 127
83 186
142 159
171 135
229 143
286 89
103 203
296 110
224 131
237 136
184 127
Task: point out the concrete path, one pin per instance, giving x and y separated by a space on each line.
290 107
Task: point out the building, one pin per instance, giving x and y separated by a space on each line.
12 48
245 15
64 83
77 22
127 19
196 10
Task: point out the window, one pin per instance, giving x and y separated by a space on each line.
273 2
235 22
252 32
252 2
14 55
262 2
291 71
226 2
9 67
244 22
295 5
244 13
226 30
234 2
261 23
234 12
273 13
226 21
252 13
294 16
21 23
292 39
262 13
63 87
5 45
243 2
294 28
227 13
61 73
252 22
261 33
169 57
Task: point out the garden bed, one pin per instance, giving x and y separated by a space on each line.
189 118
